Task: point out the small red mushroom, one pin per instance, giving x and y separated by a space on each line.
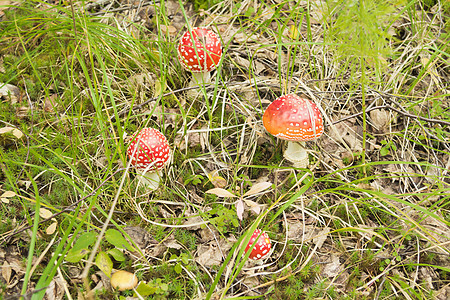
262 246
200 52
149 151
295 119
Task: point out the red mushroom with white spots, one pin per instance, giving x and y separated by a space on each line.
200 52
149 152
262 246
295 119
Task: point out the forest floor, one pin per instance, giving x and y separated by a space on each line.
367 218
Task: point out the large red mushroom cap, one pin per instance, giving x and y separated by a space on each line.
153 151
262 246
207 46
293 118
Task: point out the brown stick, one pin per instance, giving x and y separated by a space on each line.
437 121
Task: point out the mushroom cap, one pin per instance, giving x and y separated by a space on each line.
123 280
153 151
262 246
208 47
293 118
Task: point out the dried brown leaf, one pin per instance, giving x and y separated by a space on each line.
257 188
217 180
380 118
332 268
55 289
321 237
6 271
240 209
220 192
208 255
172 243
255 207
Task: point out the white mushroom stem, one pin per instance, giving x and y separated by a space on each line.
297 154
199 78
149 180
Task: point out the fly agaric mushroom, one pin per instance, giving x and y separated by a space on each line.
149 151
295 119
123 280
262 246
199 51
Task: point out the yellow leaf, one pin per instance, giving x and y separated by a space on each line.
16 132
52 228
217 180
104 263
8 194
45 213
293 32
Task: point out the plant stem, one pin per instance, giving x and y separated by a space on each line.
364 117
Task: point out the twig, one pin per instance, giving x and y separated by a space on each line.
437 121
73 19
68 207
92 255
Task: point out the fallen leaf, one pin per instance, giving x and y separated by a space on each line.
14 131
45 213
193 220
15 262
172 243
9 90
6 271
208 234
321 237
257 188
171 30
140 236
220 192
380 118
209 255
50 103
255 207
104 263
8 194
333 268
217 180
240 209
52 228
55 289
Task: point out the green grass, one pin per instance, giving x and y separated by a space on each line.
376 197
